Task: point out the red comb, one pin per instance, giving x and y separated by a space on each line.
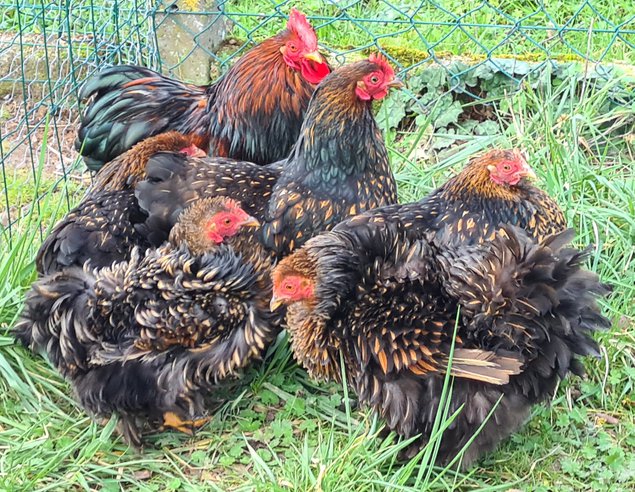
382 61
231 204
301 27
193 150
235 207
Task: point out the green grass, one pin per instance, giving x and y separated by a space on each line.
276 430
361 23
364 22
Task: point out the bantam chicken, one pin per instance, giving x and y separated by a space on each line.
149 337
126 170
492 190
108 222
339 166
253 112
388 306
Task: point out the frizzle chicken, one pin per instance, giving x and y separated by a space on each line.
253 112
108 222
149 337
388 305
338 167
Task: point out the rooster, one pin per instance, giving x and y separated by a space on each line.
147 338
253 112
338 167
108 222
386 306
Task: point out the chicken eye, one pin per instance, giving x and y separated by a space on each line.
507 168
374 79
227 221
293 47
288 287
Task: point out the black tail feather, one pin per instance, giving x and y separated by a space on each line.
132 103
533 298
56 319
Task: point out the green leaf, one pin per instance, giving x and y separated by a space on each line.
393 110
268 397
449 115
174 484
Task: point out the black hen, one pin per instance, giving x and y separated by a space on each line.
388 305
149 337
339 167
108 222
491 191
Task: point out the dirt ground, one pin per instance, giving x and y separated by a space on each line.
22 141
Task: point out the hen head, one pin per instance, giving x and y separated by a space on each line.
193 151
294 280
209 222
506 167
300 49
498 173
376 79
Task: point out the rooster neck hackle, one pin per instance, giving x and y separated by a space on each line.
237 118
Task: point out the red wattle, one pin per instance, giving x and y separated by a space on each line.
362 94
313 72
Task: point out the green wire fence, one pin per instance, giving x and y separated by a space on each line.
48 48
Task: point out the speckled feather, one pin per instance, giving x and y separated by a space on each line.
339 167
101 229
153 334
535 300
175 181
388 305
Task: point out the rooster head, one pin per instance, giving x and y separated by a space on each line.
300 49
378 79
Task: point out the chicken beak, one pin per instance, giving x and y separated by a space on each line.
396 83
530 173
275 303
251 222
314 56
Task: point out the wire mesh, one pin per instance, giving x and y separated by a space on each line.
48 48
